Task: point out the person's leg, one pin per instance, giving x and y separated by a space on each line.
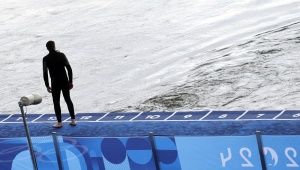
56 102
66 94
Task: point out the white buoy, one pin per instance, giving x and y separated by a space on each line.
33 98
37 98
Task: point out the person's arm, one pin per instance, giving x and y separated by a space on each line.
70 75
70 72
45 75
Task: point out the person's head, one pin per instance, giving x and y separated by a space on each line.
50 45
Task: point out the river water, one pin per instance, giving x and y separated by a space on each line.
158 55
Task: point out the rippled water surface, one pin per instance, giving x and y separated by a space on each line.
160 55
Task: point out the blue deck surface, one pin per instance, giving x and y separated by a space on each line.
204 123
192 128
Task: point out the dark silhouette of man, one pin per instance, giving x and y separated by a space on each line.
56 62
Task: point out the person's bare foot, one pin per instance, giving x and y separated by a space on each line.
58 125
73 122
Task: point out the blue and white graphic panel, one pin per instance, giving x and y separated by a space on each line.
44 150
133 153
260 115
153 116
281 152
87 117
290 114
120 116
15 155
18 118
188 115
223 115
167 153
227 153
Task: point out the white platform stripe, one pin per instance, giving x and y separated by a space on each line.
242 115
279 114
171 116
136 116
7 117
102 117
38 118
205 115
68 118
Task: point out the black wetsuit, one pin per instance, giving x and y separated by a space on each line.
56 62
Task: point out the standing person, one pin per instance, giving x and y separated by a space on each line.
56 62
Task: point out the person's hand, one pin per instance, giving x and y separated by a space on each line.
70 86
49 89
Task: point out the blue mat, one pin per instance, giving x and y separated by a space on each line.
202 123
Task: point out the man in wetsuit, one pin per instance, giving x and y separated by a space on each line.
56 62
